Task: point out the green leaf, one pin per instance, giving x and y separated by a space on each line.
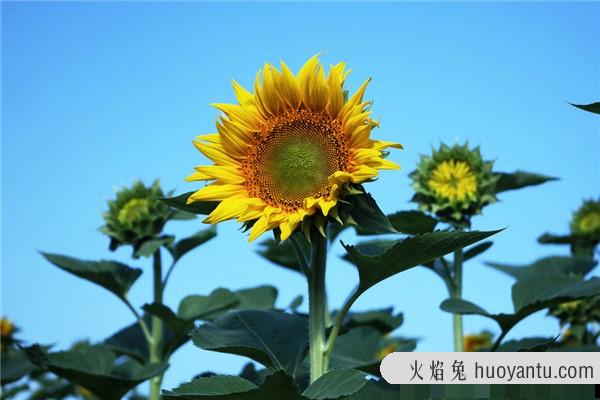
130 341
197 207
111 275
413 222
360 347
149 247
530 296
476 250
537 294
548 266
375 265
277 386
379 390
188 244
95 368
272 338
14 366
335 384
368 216
557 239
519 179
201 307
383 320
593 107
258 298
213 386
280 253
533 344
296 302
178 215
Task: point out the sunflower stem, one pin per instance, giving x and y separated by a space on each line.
457 319
156 344
317 308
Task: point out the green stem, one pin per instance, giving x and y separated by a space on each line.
300 256
457 319
156 344
317 308
140 321
339 319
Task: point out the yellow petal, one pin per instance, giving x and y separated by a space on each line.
225 174
382 145
216 192
243 96
246 115
234 141
228 209
210 138
216 153
198 176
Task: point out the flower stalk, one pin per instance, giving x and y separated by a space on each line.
317 303
456 293
155 344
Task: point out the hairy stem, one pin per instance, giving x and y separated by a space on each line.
317 308
156 344
457 319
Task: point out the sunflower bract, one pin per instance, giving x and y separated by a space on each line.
454 183
288 150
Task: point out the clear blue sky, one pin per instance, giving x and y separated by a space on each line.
95 95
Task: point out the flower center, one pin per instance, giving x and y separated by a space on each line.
133 210
294 156
589 223
453 180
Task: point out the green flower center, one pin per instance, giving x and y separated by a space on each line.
294 159
133 211
589 223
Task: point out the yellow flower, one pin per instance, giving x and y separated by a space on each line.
6 327
586 220
288 150
477 342
453 180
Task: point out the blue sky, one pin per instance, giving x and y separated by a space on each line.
95 95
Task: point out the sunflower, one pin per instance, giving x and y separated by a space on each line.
135 215
586 220
289 150
454 183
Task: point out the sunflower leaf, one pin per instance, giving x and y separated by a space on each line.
368 216
593 107
335 384
278 385
548 266
281 253
95 368
197 207
529 296
274 339
519 179
476 250
375 265
111 275
189 243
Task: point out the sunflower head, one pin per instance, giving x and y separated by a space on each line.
287 152
135 215
7 328
477 342
578 312
586 220
454 183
